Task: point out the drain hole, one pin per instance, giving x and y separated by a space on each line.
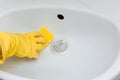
59 46
60 16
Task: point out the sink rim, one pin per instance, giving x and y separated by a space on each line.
114 69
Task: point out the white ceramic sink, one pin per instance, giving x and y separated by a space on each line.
92 44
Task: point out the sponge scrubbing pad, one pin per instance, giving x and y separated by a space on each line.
23 45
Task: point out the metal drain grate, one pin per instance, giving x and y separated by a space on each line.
59 46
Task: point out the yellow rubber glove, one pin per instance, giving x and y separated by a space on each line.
23 45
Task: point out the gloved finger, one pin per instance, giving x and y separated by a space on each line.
33 55
39 47
39 40
36 34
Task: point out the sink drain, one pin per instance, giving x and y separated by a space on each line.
59 46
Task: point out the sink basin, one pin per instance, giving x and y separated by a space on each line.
90 44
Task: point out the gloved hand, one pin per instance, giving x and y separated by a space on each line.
23 45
